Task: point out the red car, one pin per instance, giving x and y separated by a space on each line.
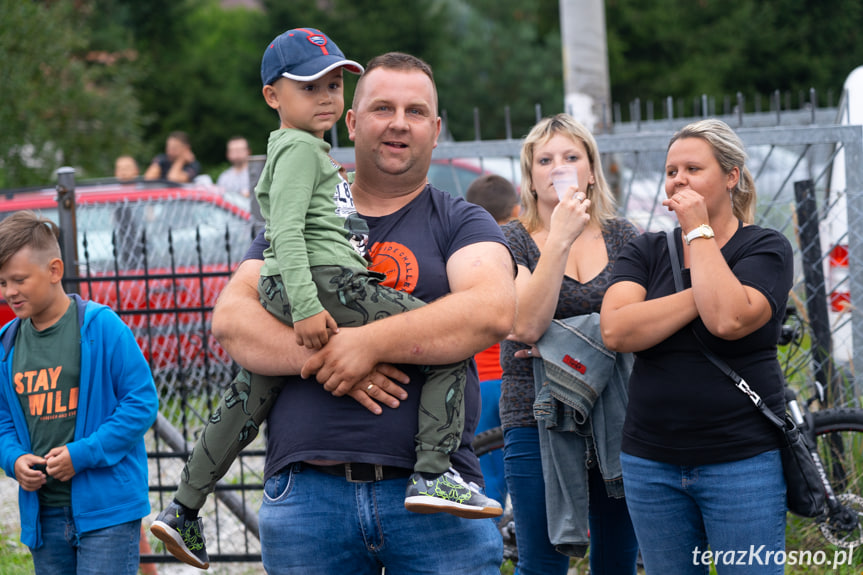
158 254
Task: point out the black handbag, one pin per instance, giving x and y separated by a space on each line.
805 493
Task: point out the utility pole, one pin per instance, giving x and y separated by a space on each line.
587 91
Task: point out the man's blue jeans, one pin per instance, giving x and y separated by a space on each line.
736 507
109 551
312 523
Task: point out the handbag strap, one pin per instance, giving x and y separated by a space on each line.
739 382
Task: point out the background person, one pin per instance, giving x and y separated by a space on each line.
76 398
498 196
565 251
177 164
701 465
126 169
235 180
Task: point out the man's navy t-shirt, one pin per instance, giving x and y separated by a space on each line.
410 246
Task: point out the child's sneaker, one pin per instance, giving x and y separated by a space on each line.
183 538
451 494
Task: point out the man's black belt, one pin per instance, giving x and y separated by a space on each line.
361 472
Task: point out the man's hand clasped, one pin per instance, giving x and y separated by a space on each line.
344 368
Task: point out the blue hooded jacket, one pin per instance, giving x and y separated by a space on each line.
117 405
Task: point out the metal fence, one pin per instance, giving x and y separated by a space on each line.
793 163
160 265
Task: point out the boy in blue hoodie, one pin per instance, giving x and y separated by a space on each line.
76 398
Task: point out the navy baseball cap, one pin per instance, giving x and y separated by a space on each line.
303 54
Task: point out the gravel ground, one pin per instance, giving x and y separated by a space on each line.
10 524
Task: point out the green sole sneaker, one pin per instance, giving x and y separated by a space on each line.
184 539
449 493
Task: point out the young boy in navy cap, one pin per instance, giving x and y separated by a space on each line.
315 278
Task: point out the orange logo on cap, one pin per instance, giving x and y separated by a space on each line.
398 263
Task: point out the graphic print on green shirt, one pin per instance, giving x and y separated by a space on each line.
46 371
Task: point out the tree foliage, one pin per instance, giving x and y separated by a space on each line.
499 54
199 72
64 103
685 48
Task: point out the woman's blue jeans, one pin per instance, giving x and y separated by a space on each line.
737 508
312 523
110 551
491 463
613 546
523 470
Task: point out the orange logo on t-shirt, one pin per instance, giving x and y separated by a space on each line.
398 263
43 397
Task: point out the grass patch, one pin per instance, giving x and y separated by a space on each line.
14 555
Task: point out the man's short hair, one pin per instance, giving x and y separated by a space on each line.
26 229
181 136
494 193
397 61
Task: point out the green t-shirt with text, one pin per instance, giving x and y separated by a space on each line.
46 370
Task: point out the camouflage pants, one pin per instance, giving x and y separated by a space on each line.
353 297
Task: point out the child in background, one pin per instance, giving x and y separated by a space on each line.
126 169
498 196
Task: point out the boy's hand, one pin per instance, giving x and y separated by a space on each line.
59 464
314 331
29 478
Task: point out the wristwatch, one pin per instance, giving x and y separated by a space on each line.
702 231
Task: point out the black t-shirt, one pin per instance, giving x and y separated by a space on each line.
682 410
412 247
192 169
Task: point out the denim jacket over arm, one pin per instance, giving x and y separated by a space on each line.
581 396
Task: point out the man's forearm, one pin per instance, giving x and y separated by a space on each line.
252 336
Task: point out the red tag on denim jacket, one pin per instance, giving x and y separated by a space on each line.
574 364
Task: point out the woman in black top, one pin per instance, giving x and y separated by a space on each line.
701 465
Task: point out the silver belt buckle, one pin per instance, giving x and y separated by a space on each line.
379 474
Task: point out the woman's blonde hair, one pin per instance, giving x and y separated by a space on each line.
602 204
730 153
